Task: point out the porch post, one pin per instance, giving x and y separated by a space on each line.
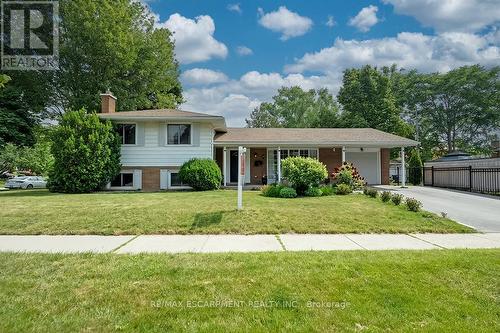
224 166
403 168
343 154
279 164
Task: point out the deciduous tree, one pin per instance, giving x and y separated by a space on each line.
114 44
294 107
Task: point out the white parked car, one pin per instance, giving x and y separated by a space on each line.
26 182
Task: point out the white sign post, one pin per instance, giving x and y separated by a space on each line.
241 175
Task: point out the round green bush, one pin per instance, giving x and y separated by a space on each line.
397 198
385 196
201 174
313 192
343 189
303 172
413 204
86 153
288 192
370 191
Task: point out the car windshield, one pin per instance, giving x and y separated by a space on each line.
20 178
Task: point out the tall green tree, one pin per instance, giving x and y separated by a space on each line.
294 107
86 153
114 44
23 99
16 119
367 100
461 108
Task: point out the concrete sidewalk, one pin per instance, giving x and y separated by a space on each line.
244 243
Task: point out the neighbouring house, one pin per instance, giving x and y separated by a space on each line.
155 143
496 148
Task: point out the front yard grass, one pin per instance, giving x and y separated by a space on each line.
380 291
41 212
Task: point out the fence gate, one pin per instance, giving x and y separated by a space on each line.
481 180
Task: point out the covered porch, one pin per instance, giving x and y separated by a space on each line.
368 149
263 164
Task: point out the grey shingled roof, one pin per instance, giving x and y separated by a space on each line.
218 122
157 113
314 136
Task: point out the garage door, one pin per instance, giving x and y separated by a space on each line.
367 165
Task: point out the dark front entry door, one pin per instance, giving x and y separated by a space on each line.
233 165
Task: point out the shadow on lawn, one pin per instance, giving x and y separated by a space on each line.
202 220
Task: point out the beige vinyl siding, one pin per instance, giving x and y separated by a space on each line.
151 150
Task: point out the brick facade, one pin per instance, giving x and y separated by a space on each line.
332 159
150 179
258 165
385 156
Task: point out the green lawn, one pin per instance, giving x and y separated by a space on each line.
40 212
402 291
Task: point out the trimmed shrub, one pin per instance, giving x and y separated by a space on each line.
313 192
288 192
201 174
343 189
327 190
303 172
415 163
371 192
413 204
272 190
397 198
385 196
349 175
86 153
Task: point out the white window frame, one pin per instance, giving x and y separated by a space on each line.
129 123
169 181
288 149
190 144
124 187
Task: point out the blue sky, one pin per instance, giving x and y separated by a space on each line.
236 54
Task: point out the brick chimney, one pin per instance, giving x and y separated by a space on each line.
108 102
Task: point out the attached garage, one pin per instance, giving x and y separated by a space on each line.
367 162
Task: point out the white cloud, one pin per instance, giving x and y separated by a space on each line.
289 24
235 99
202 76
194 41
407 50
244 51
450 15
365 19
234 7
330 22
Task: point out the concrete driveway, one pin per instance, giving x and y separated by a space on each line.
478 211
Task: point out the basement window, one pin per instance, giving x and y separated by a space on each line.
124 179
175 180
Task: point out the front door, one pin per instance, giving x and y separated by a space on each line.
233 166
